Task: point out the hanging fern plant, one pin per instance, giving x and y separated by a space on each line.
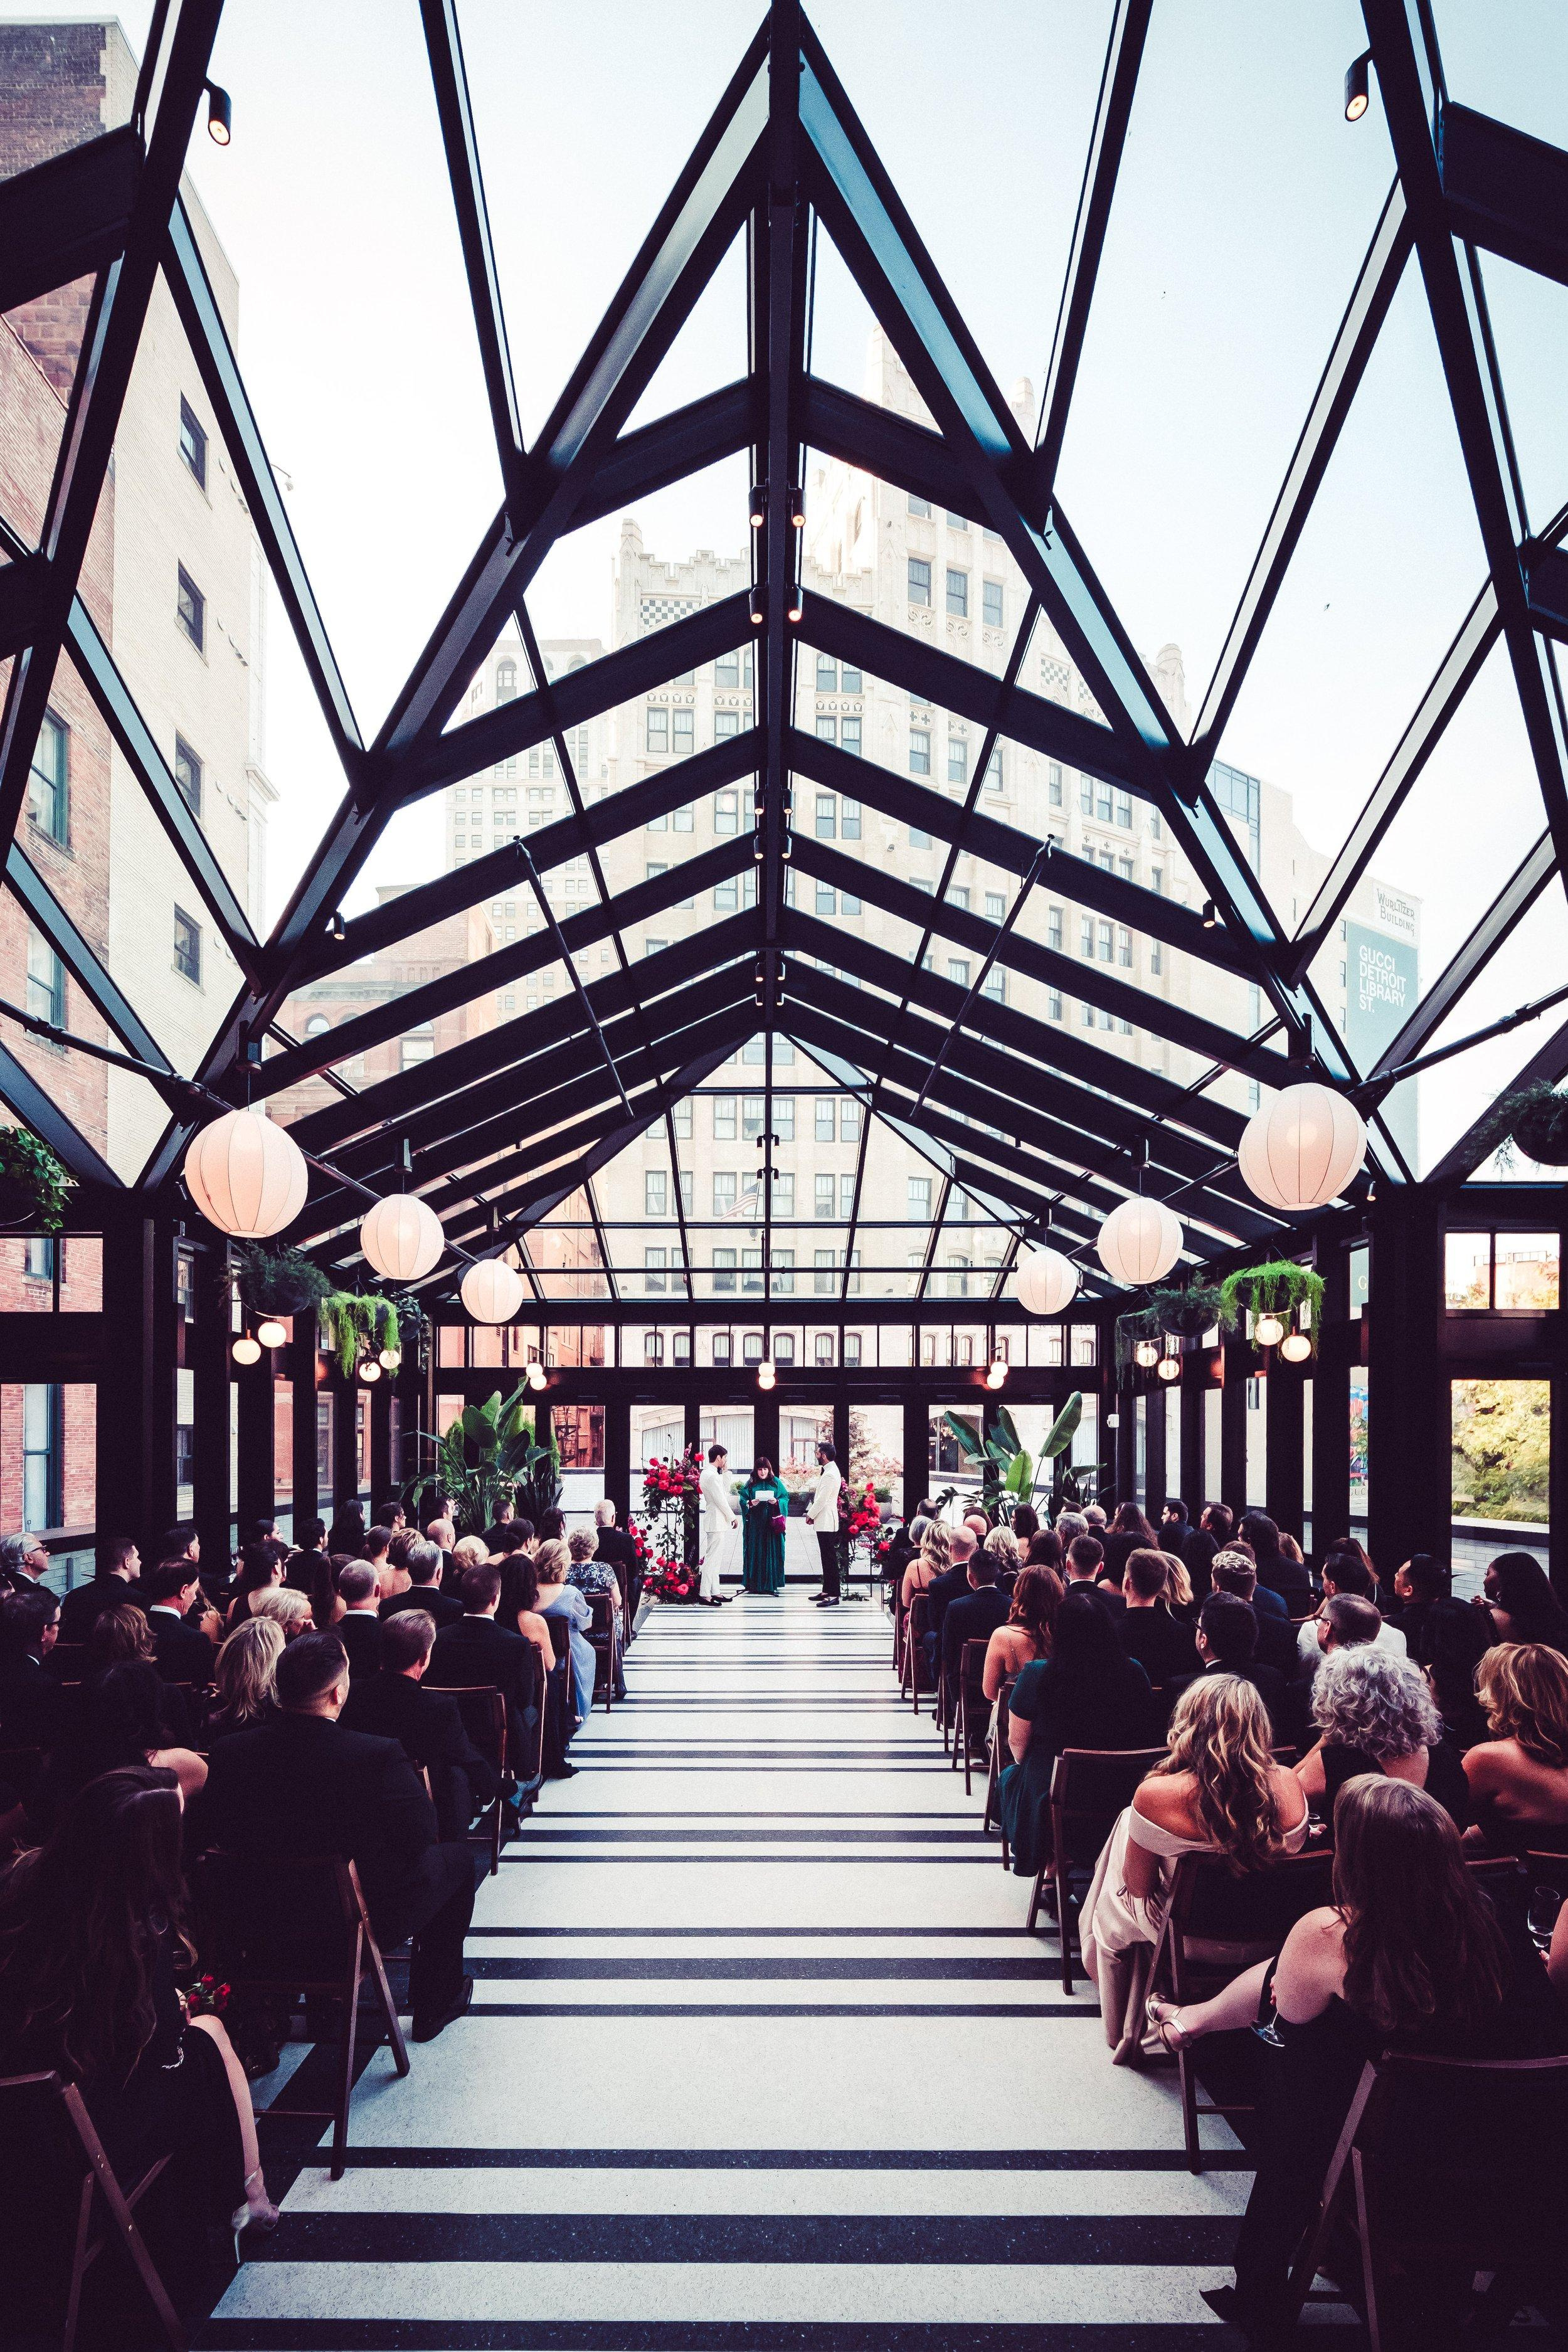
1186 1310
1533 1118
278 1281
1278 1287
358 1324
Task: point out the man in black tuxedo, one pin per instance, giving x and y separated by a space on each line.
1211 1534
1227 1639
303 1784
312 1536
951 1585
183 1651
32 1703
117 1577
1235 1573
477 1651
424 1589
359 1628
430 1725
1084 1565
973 1616
1162 1644
617 1546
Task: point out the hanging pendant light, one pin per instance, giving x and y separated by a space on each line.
1267 1331
1296 1349
271 1333
402 1237
1170 1368
1146 1354
536 1376
1138 1242
491 1291
370 1372
246 1350
1301 1150
1045 1282
246 1175
766 1376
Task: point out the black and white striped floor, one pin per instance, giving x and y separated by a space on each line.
761 2057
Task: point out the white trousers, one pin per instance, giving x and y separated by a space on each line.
713 1554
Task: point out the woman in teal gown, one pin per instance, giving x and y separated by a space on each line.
763 1499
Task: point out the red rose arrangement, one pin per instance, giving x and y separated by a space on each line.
205 1998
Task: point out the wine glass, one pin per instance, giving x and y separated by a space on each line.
1545 1903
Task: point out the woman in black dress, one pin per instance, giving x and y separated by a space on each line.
1088 1693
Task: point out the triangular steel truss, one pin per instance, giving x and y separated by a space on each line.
1039 1123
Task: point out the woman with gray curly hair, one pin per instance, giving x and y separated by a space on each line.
1376 1715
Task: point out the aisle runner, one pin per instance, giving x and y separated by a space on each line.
760 2057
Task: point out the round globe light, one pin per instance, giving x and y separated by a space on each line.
370 1372
1296 1349
246 1350
271 1333
1301 1150
401 1237
389 1359
537 1377
996 1377
491 1291
766 1376
1146 1354
1139 1241
1045 1282
1170 1368
246 1175
1267 1331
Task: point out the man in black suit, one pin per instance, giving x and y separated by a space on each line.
117 1577
183 1651
302 1784
1227 1639
972 1617
24 1563
1233 1573
477 1651
951 1585
1085 1564
1211 1534
430 1725
31 1701
313 1538
1162 1644
617 1546
422 1590
359 1628
506 1512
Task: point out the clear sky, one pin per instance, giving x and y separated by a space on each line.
1244 209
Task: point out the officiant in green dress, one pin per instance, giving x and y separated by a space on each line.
764 1505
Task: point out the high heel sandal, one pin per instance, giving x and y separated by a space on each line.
1165 2016
261 2214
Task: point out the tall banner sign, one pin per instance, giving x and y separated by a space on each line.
1380 996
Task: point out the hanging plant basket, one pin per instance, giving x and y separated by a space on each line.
33 1186
1534 1120
358 1324
278 1281
1278 1287
1186 1310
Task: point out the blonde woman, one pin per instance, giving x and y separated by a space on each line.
933 1559
470 1551
1217 1790
247 1669
1519 1774
560 1603
1003 1546
291 1612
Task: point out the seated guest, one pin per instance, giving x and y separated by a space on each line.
1521 1604
259 1572
1088 1695
359 1627
300 1784
1343 1573
1213 1533
390 1576
91 1944
1457 1638
1003 1546
429 1723
121 1634
1178 1588
561 1604
1026 1524
185 1651
390 1514
470 1551
32 1703
506 1512
1518 1775
1233 1573
291 1613
586 1571
443 1535
1409 1956
1175 1524
1095 1520
118 1722
1218 1791
1128 1532
1227 1643
1418 1583
244 1682
518 1535
1162 1644
312 1547
552 1527
477 1651
347 1535
933 1560
118 1578
1375 1714
1044 1550
974 1616
1274 1569
616 1546
424 1589
1085 1561
24 1563
950 1585
1070 1526
1027 1635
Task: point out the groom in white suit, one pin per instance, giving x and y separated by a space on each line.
717 1519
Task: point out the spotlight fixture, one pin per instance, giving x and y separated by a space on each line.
759 605
784 853
1295 1348
271 1333
757 847
1357 94
797 509
1267 1331
757 506
336 927
1211 916
246 1350
370 1372
996 1377
1146 1354
767 1377
220 114
795 606
389 1359
1170 1368
536 1376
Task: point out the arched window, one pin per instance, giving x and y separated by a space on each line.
316 1026
506 681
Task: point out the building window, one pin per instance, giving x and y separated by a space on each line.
850 735
723 1346
506 681
994 779
653 1347
726 723
724 1190
825 901
919 506
995 986
653 1268
825 1346
827 815
827 673
920 581
48 781
726 812
657 738
192 443
919 750
991 603
958 593
957 760
418 1045
919 1198
1054 785
43 1451
46 980
188 775
187 947
996 907
39 1258
655 1192
827 727
825 1196
723 1269
684 740
1156 960
723 1119
190 608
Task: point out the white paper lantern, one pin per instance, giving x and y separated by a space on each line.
402 1237
246 1175
1139 1241
1046 1281
1301 1150
491 1291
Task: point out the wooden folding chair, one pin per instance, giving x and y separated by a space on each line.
284 1928
973 1708
917 1625
605 1635
47 2115
1089 1786
483 1709
995 1767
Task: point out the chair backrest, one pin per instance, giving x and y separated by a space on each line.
280 1915
603 1610
1494 2129
483 1710
1255 1906
1089 1786
919 1617
972 1673
67 1660
46 2144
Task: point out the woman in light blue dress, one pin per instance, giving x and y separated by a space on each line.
559 1601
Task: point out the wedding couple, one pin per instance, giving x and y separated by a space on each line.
764 1507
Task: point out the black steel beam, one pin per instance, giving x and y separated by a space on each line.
24 585
69 216
1546 588
98 984
1505 190
1512 903
36 1108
